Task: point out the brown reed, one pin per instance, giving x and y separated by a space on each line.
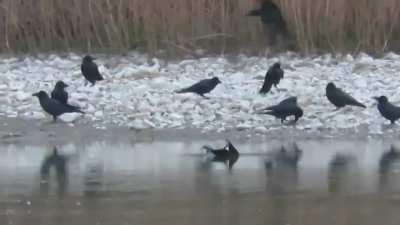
183 26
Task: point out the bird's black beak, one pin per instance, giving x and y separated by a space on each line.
254 12
376 98
66 85
35 94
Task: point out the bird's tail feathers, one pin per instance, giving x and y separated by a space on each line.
184 90
359 104
208 148
268 112
75 109
269 108
266 88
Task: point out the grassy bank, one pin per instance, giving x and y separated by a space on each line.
182 26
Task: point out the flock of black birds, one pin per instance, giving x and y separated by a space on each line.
272 18
57 103
289 107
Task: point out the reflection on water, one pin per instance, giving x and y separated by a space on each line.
178 183
59 164
389 168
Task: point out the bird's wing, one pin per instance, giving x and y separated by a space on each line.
53 94
199 86
290 100
60 108
279 73
274 75
346 98
268 82
91 70
392 109
271 108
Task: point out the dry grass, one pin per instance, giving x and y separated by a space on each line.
182 26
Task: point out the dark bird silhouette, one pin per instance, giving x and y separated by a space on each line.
90 70
285 156
202 87
388 169
59 92
287 107
272 77
59 163
226 154
54 107
339 98
338 171
387 109
54 160
388 159
281 169
272 18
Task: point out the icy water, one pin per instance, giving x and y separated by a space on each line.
322 182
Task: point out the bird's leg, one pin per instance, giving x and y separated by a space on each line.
92 84
86 82
337 109
204 96
54 119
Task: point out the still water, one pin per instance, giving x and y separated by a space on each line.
309 182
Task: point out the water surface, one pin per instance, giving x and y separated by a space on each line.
323 182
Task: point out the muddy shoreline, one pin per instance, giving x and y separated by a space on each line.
36 132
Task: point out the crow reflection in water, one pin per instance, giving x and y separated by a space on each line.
339 170
282 169
228 154
59 163
388 164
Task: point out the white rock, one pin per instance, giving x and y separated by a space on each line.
69 117
99 114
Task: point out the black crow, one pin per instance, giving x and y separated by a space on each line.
226 154
339 98
285 108
54 107
202 87
90 71
59 92
272 77
271 16
226 151
387 109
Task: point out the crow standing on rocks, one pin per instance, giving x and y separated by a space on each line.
202 87
59 92
90 70
387 109
285 108
273 77
339 98
54 107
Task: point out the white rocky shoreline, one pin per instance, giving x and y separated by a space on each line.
140 95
